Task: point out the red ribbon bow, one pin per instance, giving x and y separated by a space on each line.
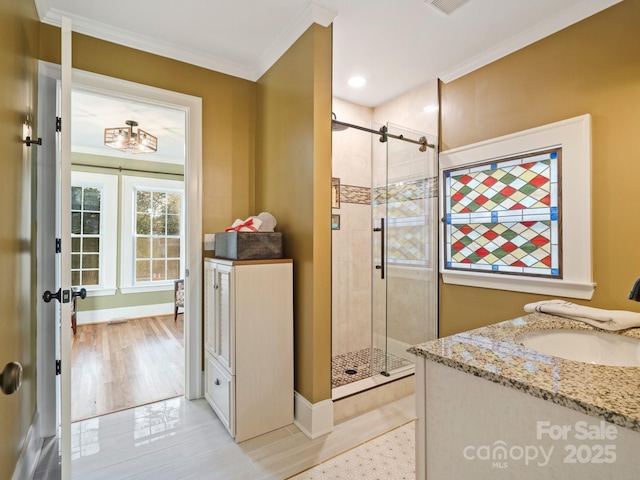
247 224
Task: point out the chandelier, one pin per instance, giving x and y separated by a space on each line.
123 138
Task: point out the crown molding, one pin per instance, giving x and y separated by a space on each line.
543 29
42 7
146 44
311 14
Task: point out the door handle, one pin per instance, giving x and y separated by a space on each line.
381 230
48 296
63 297
82 293
11 378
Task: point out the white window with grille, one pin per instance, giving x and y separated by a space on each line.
94 223
152 234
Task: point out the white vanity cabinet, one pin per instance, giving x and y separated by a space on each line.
248 327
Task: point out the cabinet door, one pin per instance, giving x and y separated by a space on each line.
220 392
224 312
209 306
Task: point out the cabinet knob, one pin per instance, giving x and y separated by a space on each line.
215 286
217 382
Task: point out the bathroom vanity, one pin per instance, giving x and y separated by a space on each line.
488 407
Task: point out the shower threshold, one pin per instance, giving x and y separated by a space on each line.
371 382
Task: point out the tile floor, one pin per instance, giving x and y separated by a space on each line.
179 439
388 457
353 366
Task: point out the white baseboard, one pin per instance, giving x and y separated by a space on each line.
314 420
28 461
110 314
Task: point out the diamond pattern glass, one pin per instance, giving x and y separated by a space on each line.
408 207
504 216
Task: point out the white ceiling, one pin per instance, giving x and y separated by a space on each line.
396 45
92 112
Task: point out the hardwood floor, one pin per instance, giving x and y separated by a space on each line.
119 365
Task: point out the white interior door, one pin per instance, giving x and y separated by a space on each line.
48 313
63 207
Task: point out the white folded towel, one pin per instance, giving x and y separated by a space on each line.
597 317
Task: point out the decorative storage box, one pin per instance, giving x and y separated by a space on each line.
248 245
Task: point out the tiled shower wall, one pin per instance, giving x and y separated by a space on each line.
411 291
351 245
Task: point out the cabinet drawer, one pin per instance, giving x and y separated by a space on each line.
220 392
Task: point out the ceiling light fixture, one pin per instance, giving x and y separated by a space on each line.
123 138
357 82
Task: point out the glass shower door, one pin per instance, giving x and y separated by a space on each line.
404 276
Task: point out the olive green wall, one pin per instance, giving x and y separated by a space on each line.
293 181
228 116
591 67
18 110
101 164
285 162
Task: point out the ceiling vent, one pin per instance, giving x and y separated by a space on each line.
446 7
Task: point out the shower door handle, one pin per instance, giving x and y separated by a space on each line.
381 230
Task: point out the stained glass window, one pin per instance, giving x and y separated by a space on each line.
504 216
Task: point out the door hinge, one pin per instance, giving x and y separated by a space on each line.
58 245
58 367
58 124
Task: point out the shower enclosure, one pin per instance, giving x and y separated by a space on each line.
385 255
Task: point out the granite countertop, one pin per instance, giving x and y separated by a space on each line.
609 393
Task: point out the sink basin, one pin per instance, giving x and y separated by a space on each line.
589 346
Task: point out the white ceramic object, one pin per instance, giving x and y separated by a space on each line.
588 346
268 222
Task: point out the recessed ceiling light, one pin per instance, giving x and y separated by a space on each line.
357 82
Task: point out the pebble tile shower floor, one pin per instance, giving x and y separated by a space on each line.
358 364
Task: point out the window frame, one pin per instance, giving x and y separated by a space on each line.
130 184
574 137
108 227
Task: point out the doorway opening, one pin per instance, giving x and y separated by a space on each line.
127 252
184 250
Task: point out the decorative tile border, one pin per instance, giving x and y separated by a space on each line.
408 191
354 194
397 192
